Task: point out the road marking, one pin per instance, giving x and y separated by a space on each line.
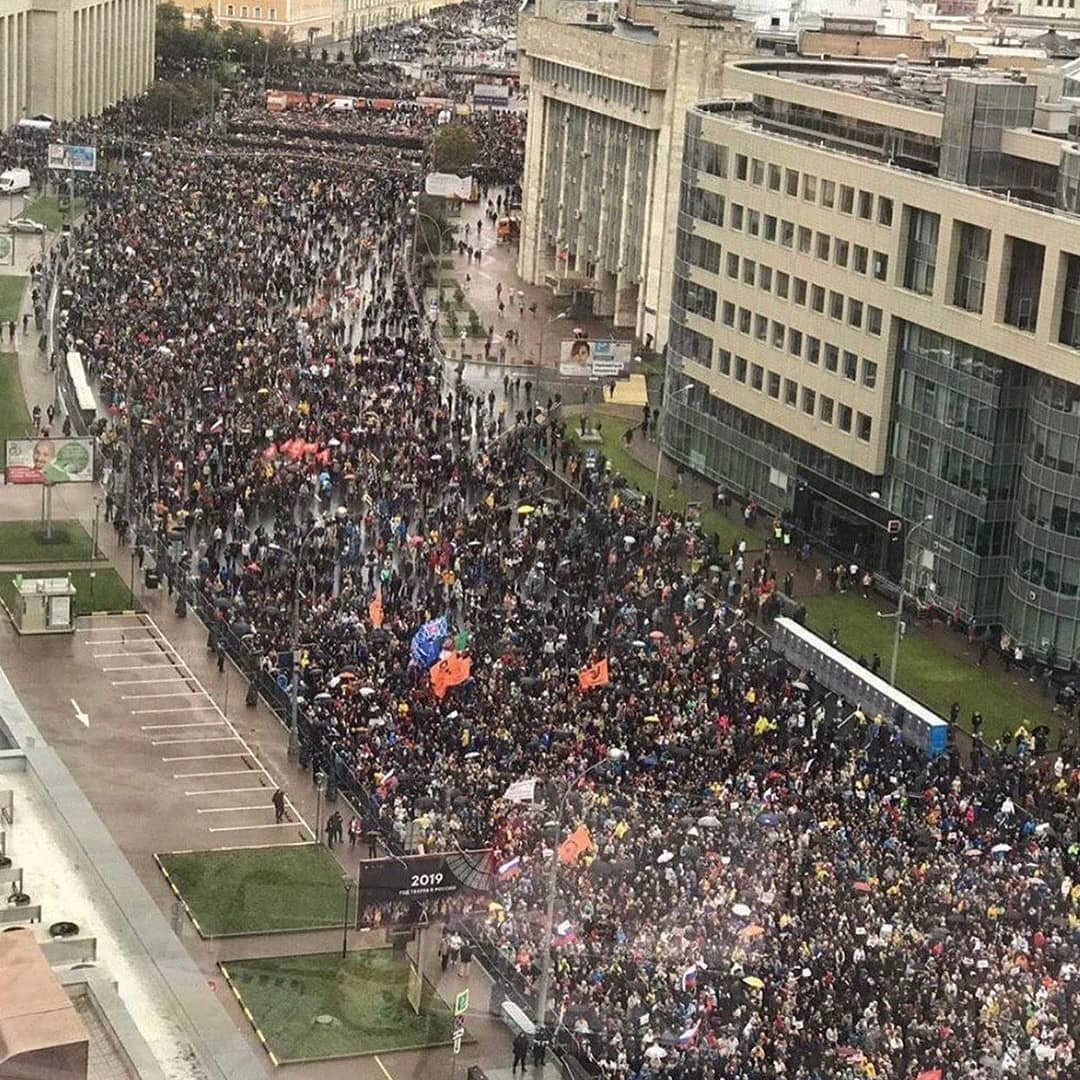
171 693
248 828
153 712
205 757
383 1068
117 641
156 651
201 775
150 682
199 723
142 667
235 809
194 738
224 790
107 629
82 717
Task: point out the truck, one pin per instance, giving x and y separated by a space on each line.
13 181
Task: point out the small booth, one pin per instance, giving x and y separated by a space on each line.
44 605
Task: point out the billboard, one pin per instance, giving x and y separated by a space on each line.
490 94
66 460
595 359
448 186
416 889
73 158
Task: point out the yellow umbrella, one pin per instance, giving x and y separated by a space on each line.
754 981
526 509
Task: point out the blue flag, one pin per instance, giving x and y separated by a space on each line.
427 641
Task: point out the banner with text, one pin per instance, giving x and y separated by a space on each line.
72 158
29 461
595 359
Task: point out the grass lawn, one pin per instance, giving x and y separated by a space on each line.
260 889
14 419
360 1003
46 209
935 669
12 287
107 591
24 542
612 430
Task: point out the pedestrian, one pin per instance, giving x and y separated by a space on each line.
219 648
355 829
279 805
521 1052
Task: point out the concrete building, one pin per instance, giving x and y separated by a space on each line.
608 95
876 289
72 58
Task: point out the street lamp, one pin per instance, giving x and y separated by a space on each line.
661 427
552 884
543 331
345 919
900 601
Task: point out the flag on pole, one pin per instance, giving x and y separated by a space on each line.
575 845
689 978
594 675
375 610
452 671
564 934
521 791
689 1036
509 869
427 642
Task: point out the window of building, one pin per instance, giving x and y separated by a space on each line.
840 252
921 261
757 172
761 328
824 243
805 237
765 277
866 205
706 205
794 343
749 270
273 14
880 266
836 305
757 376
782 283
873 320
858 259
774 177
740 166
753 222
791 392
864 428
723 362
1069 328
243 11
972 255
828 194
712 158
733 266
855 313
736 217
744 321
774 385
727 313
690 344
817 297
851 366
869 374
791 182
779 333
832 357
787 234
813 350
740 369
884 210
847 199
1025 262
770 228
258 13
809 187
799 295
696 299
228 9
825 409
809 401
843 417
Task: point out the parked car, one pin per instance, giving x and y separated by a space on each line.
25 225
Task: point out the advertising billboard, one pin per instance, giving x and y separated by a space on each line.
37 461
490 94
449 186
595 359
73 158
420 888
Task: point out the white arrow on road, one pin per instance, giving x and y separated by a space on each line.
82 717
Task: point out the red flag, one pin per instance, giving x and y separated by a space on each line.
930 1074
594 675
575 845
375 611
452 671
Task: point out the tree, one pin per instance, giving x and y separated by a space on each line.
454 149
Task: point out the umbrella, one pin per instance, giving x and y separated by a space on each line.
861 886
665 857
800 686
656 1052
754 981
768 819
657 635
709 821
741 910
1000 849
524 508
973 852
748 933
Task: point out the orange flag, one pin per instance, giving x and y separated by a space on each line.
375 610
452 671
575 845
595 675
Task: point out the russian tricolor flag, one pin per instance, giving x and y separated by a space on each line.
564 933
688 1037
509 869
689 978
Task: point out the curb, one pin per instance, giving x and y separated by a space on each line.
128 611
247 1012
180 898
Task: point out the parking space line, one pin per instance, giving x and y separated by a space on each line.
205 757
178 693
233 809
157 650
224 790
150 682
194 738
196 723
270 825
153 712
109 628
141 667
201 775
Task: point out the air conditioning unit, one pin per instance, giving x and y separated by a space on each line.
1052 118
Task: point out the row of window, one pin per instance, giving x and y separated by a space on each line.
806 398
609 90
230 12
713 158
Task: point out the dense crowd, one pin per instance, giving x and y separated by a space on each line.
770 883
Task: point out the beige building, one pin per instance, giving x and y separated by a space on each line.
67 58
607 98
876 289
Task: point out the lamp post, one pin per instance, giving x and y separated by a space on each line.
345 919
552 884
661 427
543 332
419 216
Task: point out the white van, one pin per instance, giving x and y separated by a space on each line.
341 105
14 180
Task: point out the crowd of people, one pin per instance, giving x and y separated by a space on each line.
763 881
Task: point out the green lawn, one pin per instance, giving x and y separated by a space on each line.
261 889
612 430
106 591
14 418
24 542
935 670
323 1006
12 287
46 209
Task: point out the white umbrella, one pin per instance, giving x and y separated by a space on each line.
1000 849
656 1052
665 857
741 910
709 821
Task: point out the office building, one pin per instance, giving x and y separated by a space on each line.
608 93
876 290
72 58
